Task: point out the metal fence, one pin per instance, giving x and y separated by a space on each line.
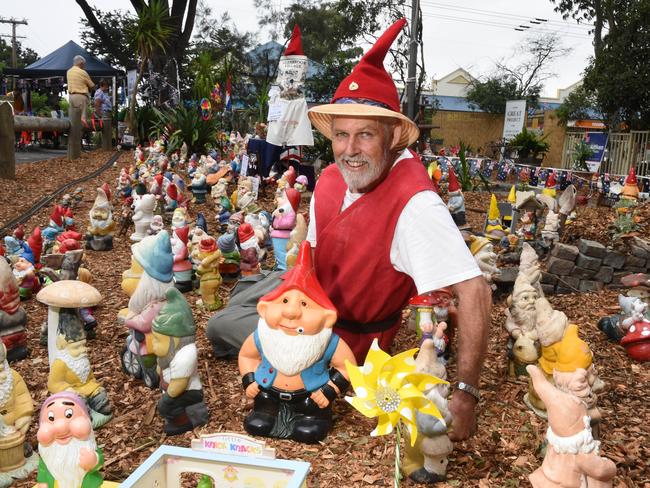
623 151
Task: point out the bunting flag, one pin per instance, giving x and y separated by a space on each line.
604 179
228 94
645 185
534 177
502 171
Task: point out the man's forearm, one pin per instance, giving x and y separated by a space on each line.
474 305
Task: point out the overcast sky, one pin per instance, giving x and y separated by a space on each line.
471 34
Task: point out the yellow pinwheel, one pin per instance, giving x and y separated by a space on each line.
389 388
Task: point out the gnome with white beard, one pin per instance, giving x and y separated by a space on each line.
99 236
69 454
293 365
15 401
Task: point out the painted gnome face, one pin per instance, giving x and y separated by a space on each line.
65 439
178 218
23 269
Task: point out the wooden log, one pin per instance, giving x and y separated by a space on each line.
74 135
43 124
7 143
107 134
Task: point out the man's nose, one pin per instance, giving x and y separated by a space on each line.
352 147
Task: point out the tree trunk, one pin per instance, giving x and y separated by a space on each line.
132 122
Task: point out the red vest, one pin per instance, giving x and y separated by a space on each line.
352 255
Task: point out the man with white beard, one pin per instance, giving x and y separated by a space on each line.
69 454
16 405
71 370
293 365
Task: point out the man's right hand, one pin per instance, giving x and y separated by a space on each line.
252 390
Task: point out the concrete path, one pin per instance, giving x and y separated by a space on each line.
39 154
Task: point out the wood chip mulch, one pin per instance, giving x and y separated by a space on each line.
502 454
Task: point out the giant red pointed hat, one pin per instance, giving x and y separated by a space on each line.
302 277
631 177
295 44
453 181
369 91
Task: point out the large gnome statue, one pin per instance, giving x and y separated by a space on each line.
284 220
456 203
288 122
173 330
293 365
572 454
12 316
100 233
70 457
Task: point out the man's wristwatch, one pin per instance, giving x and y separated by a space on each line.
472 390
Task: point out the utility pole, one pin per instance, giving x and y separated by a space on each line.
14 45
413 60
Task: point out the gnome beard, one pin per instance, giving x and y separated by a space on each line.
291 354
62 460
79 365
7 386
149 290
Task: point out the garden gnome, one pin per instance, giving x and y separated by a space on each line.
483 252
100 232
301 184
173 331
634 310
12 316
549 186
296 236
250 250
156 225
35 243
179 218
527 230
223 211
208 272
15 401
172 198
229 267
456 202
631 188
13 248
153 255
493 228
219 190
426 461
25 277
182 263
143 216
572 458
284 220
245 196
70 457
291 127
261 231
523 345
55 226
293 365
550 232
199 186
529 266
567 204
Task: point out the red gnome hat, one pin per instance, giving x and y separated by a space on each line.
453 181
172 192
57 216
293 196
291 176
631 177
550 181
19 233
35 243
208 244
158 179
302 277
295 43
183 233
245 231
107 190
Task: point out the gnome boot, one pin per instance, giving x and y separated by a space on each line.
262 419
422 476
315 423
178 425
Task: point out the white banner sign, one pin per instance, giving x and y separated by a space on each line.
514 119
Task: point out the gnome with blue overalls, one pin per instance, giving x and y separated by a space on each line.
293 365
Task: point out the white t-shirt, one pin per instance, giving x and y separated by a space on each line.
184 365
427 244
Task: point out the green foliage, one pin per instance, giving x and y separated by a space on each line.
145 120
625 222
578 105
185 125
116 23
205 77
463 175
24 55
322 149
581 152
527 143
492 94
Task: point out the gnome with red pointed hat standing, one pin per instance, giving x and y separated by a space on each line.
375 228
456 202
293 365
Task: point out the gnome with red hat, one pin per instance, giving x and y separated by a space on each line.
182 264
208 273
456 202
631 188
288 122
293 365
284 220
172 198
375 221
250 250
55 227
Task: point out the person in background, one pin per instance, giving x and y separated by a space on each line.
79 86
103 104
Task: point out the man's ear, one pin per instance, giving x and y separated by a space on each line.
397 135
261 308
329 317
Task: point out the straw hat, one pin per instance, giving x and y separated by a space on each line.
369 91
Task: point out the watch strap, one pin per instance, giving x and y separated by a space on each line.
472 390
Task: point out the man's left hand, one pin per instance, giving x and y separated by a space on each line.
320 399
462 409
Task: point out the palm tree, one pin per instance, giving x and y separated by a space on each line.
149 33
